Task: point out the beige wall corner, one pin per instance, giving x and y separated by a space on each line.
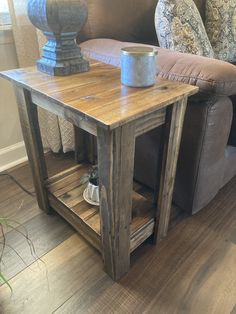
11 143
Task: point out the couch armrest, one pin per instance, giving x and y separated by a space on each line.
210 75
201 166
201 162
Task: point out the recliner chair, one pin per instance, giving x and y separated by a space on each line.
207 158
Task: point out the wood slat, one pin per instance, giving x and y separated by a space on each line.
55 107
85 211
88 233
62 174
149 122
68 181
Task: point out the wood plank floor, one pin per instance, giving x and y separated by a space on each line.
192 271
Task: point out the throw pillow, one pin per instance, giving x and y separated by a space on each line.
179 27
221 28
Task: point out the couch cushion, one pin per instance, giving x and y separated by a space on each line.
126 20
221 28
210 75
179 27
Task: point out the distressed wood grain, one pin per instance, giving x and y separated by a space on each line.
32 138
172 138
97 95
116 166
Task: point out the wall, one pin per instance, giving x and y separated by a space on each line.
12 150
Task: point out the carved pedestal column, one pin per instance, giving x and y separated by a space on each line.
60 21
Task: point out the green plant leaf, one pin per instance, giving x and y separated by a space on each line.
3 280
10 224
3 221
84 178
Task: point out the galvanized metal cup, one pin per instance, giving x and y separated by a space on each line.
138 66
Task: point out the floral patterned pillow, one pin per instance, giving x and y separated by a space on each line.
221 28
179 27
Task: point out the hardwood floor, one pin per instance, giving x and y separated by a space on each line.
193 270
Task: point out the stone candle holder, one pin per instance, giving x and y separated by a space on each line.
60 21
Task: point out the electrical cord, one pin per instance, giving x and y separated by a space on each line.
18 183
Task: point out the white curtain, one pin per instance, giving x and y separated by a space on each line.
56 133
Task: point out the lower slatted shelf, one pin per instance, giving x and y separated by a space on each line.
66 197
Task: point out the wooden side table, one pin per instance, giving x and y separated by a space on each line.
97 103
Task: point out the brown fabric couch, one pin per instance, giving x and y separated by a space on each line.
208 151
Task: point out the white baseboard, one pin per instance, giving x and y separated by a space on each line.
12 156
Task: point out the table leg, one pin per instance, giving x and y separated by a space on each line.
85 146
172 138
90 147
79 144
116 166
32 137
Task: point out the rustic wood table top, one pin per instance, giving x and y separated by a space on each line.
98 95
